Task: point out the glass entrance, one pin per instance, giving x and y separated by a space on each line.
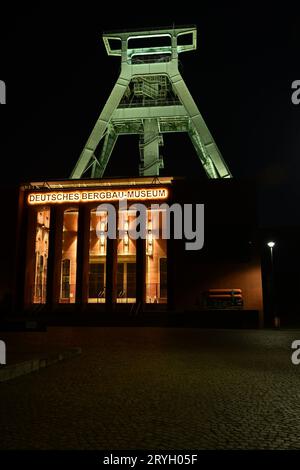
126 282
97 257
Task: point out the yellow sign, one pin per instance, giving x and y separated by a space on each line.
60 197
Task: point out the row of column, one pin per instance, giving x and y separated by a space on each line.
82 271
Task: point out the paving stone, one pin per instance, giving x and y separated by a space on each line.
158 388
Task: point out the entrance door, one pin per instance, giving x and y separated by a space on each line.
97 281
126 282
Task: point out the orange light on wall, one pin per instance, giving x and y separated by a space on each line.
102 237
41 256
126 237
149 238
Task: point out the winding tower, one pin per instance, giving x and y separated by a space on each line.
150 98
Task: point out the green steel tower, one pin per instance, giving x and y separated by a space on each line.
150 98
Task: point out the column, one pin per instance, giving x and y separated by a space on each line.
171 269
111 274
83 240
140 272
26 273
54 256
57 253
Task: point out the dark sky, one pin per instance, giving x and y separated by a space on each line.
58 78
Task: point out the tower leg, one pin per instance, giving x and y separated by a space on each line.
100 127
99 167
204 141
149 149
205 159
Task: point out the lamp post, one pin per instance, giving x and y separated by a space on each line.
271 245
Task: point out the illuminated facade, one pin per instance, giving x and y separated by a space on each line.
71 261
41 254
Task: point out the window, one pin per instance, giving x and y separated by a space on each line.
156 259
131 279
65 282
69 256
97 257
126 267
126 281
41 255
163 278
97 280
120 281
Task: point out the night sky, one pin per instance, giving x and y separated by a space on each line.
58 78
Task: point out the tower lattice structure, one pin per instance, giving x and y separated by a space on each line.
150 99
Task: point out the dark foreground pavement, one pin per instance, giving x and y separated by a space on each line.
155 388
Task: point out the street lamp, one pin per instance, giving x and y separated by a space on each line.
271 245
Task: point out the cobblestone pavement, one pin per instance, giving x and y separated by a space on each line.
157 388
